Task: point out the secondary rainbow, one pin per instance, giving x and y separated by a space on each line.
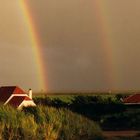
106 40
36 44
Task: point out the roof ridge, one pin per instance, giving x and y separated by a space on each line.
130 96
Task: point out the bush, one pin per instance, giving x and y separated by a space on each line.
123 120
95 107
43 101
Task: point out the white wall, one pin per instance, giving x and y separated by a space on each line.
26 103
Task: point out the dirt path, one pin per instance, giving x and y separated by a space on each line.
120 133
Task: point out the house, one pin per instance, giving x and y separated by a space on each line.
132 99
16 97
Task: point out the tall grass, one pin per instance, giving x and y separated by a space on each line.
45 123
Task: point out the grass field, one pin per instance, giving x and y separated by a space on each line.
72 117
68 97
106 109
46 123
102 108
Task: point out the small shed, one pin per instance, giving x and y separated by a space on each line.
16 97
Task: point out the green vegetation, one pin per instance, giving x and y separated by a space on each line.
107 110
69 118
45 123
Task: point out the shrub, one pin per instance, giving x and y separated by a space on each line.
123 120
94 107
43 101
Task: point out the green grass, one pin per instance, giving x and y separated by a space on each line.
64 98
107 110
46 123
69 98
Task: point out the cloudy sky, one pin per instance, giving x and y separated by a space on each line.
87 44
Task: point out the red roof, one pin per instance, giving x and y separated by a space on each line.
7 91
132 99
17 100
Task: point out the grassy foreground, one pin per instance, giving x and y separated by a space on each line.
46 123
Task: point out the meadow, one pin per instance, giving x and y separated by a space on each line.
69 117
106 110
46 123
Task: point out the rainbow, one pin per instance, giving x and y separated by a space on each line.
106 39
100 9
36 44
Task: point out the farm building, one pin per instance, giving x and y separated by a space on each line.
132 99
16 97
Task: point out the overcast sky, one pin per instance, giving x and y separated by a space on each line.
72 34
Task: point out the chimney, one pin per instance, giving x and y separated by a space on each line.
30 93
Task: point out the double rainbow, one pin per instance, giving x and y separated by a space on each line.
100 8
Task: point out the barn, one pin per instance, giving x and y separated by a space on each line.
16 97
